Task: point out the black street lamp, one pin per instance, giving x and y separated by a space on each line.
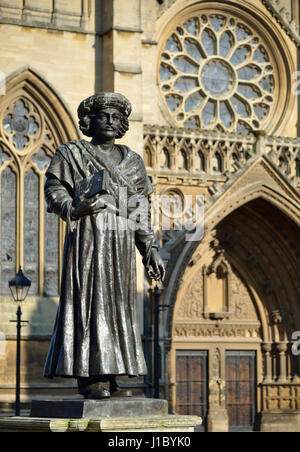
19 287
157 308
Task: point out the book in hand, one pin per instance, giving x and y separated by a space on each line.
91 186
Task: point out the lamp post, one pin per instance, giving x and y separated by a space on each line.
19 287
157 308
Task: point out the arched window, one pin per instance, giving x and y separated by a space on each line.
148 157
297 167
217 164
30 129
233 160
220 70
182 160
8 220
165 161
283 164
200 163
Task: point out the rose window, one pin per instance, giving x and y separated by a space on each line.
216 73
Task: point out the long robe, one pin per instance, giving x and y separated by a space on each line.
96 330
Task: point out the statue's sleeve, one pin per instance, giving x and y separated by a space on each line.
145 239
59 186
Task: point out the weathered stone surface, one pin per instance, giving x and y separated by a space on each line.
274 421
87 409
139 424
217 420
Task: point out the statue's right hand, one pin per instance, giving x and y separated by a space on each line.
83 206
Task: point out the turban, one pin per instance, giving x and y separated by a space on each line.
104 100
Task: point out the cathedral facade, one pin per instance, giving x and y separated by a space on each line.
215 92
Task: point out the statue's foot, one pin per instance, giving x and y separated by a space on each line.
93 390
100 393
118 392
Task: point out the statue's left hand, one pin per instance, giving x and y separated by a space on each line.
158 268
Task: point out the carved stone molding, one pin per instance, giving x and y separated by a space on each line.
283 153
195 301
217 393
281 396
61 15
277 8
216 363
164 5
282 15
192 305
251 331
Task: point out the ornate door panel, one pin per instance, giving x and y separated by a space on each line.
241 389
191 383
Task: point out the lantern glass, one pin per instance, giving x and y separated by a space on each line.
19 293
19 286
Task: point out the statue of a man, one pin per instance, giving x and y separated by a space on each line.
96 336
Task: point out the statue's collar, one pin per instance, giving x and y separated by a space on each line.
91 148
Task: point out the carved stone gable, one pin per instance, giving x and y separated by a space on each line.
262 171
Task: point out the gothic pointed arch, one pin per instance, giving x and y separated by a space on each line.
34 120
28 82
240 289
272 194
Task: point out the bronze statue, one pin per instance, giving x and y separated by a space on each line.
96 335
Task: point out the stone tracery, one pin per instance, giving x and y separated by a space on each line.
215 73
29 136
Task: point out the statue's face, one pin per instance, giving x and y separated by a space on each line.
106 123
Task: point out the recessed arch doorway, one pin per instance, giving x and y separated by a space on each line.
234 314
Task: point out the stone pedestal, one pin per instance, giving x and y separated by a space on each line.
275 421
114 415
217 420
129 407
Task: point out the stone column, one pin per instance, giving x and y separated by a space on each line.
282 348
267 348
84 14
260 142
217 418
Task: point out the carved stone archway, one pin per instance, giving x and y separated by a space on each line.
250 250
259 180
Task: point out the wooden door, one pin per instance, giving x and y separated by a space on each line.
191 383
241 389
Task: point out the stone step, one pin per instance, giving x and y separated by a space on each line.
119 407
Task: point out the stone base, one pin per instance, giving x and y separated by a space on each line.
280 421
217 420
168 423
127 407
133 414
